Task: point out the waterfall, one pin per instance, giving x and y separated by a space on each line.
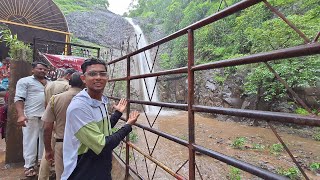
144 69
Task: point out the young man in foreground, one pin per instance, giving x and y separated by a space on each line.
88 140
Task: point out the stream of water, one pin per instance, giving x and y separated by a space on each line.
145 64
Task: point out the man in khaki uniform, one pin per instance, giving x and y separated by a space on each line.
60 85
55 87
56 112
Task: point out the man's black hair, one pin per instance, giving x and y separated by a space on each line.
91 61
75 80
69 71
34 64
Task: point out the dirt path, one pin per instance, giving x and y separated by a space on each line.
218 136
9 172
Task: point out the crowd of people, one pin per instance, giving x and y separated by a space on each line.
68 119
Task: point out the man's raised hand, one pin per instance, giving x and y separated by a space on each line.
121 105
133 117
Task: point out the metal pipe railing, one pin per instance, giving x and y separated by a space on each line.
262 115
297 51
259 115
215 17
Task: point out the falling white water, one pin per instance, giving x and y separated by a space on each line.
144 69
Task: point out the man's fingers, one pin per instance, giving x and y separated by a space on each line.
134 115
123 102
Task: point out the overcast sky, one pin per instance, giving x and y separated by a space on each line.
119 6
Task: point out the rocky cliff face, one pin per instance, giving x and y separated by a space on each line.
113 32
100 26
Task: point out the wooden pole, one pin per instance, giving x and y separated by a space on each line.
14 153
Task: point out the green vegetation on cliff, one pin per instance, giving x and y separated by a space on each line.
250 31
68 6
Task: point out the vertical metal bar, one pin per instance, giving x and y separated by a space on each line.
98 55
190 104
128 112
34 49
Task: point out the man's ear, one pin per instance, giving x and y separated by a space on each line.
83 78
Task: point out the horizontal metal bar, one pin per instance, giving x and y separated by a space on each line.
64 43
160 73
215 17
239 164
265 115
162 134
117 79
303 50
160 104
157 162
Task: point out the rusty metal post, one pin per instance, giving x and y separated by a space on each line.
190 104
128 112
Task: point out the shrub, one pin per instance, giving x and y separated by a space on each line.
18 50
316 136
235 174
292 172
239 142
258 146
315 167
133 136
276 148
301 111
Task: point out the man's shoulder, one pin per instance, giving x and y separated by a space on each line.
25 79
77 103
50 83
65 94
